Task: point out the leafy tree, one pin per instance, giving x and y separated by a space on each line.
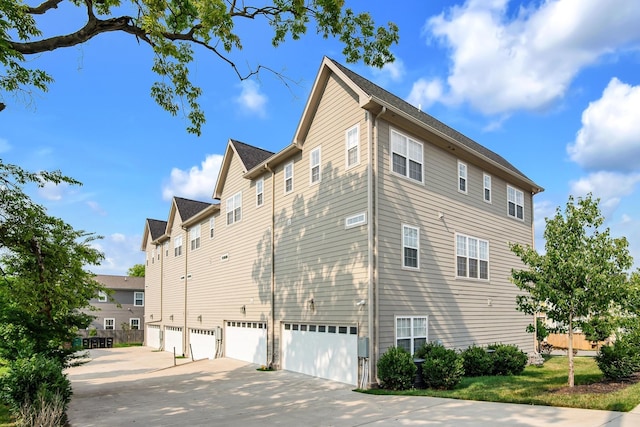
173 29
581 275
44 283
137 270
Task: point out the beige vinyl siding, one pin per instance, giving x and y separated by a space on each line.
460 311
173 284
153 282
316 257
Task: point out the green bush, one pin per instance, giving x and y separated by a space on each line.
508 359
442 368
396 369
37 383
619 361
477 362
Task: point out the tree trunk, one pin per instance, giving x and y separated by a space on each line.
570 351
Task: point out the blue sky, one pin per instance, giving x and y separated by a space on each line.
553 86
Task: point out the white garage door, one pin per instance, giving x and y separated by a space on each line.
173 339
246 341
203 343
153 336
325 351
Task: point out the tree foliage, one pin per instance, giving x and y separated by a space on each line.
581 277
44 283
137 270
174 29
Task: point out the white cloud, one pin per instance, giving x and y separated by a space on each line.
425 92
609 187
195 183
4 145
610 133
502 63
95 206
393 71
251 100
53 192
121 253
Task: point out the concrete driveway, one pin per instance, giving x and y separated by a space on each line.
137 386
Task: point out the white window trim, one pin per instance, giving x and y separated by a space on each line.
348 147
284 187
408 175
356 220
260 192
417 267
131 322
411 337
194 237
234 207
177 246
318 165
463 166
516 192
102 296
488 260
212 227
135 299
113 323
484 187
166 248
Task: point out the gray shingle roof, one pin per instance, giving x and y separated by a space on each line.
120 282
376 91
188 208
156 227
250 155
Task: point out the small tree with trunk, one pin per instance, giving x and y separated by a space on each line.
581 276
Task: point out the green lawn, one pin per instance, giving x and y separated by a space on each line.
539 386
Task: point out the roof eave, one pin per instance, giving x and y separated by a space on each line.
273 161
210 210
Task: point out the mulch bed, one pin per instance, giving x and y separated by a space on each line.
601 387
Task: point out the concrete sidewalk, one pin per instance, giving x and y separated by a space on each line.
122 387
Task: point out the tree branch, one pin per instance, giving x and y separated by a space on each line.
44 7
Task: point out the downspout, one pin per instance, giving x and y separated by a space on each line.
186 281
372 199
272 272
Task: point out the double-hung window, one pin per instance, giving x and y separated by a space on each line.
472 257
486 179
177 246
260 192
166 248
462 177
102 296
410 246
194 233
134 323
515 203
352 137
138 299
212 227
411 332
109 323
234 208
314 166
288 177
406 156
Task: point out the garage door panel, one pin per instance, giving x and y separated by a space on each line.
153 336
327 355
203 343
173 339
246 341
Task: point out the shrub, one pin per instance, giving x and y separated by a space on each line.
442 368
477 362
619 361
36 383
507 359
396 369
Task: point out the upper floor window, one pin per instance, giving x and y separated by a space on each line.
166 248
138 299
314 165
212 227
288 177
234 208
353 146
462 177
472 257
406 156
177 246
260 192
411 333
194 234
410 246
153 256
486 179
515 202
102 296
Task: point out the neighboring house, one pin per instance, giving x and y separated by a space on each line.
125 305
377 226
